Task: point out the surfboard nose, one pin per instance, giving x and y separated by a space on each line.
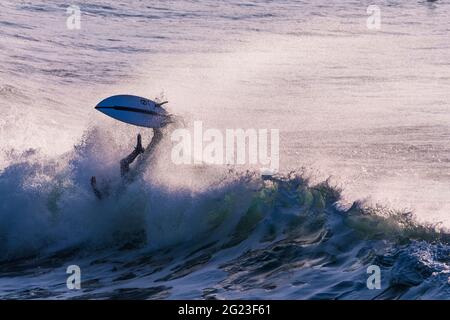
110 101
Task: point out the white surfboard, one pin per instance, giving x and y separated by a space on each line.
135 110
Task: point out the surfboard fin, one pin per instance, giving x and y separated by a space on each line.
161 103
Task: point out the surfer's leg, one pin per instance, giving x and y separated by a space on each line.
157 137
97 192
125 162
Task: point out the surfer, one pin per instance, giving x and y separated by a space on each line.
128 160
137 111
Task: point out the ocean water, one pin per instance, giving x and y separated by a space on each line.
364 150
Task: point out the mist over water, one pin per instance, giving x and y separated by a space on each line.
367 107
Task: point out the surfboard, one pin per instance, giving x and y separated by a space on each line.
135 110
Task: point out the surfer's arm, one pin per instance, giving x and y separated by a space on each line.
125 162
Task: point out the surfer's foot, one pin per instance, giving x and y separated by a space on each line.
139 147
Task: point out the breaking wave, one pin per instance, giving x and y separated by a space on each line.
160 237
